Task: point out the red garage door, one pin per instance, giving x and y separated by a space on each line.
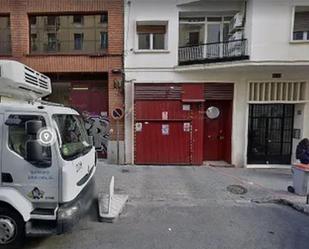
168 124
162 143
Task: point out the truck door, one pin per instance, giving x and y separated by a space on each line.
38 183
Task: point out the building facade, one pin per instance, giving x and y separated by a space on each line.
217 81
79 45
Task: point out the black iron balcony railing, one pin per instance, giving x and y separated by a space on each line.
213 52
5 48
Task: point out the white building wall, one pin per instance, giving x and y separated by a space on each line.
271 23
268 29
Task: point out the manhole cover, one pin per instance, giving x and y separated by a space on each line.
237 189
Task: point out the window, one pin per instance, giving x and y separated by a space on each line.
33 42
104 18
66 34
17 134
51 42
151 37
73 138
301 24
104 40
5 35
78 19
144 41
51 20
32 20
78 41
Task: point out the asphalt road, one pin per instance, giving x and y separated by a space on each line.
183 207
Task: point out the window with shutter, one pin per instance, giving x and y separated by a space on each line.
301 24
151 36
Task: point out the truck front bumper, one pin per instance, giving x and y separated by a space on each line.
70 213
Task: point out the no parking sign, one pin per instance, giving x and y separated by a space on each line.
117 113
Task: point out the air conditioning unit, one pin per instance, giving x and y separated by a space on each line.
21 82
237 22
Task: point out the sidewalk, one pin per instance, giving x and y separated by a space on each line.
267 186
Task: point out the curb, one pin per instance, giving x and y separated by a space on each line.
302 208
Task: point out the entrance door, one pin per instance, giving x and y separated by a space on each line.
217 130
270 134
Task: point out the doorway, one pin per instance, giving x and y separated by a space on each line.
270 133
217 130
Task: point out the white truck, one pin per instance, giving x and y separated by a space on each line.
47 160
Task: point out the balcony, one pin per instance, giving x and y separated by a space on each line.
88 47
226 51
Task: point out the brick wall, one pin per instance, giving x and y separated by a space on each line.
19 11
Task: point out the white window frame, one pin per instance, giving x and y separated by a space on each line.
151 50
305 33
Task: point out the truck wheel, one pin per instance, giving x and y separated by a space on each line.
12 229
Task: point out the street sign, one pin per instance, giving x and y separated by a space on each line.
117 113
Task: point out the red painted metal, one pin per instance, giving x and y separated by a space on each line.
152 147
219 91
157 91
89 97
217 132
176 106
153 110
182 145
193 93
197 133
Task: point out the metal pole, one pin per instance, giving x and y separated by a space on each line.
117 137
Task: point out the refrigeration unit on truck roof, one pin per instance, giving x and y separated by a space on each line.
19 81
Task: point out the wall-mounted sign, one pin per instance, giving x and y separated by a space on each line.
164 115
186 107
186 127
165 129
138 127
117 113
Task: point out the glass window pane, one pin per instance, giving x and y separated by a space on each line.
64 27
18 136
5 35
226 32
78 19
78 41
103 18
228 18
191 34
158 41
213 33
143 41
214 19
104 40
298 36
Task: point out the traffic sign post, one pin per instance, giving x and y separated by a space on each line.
117 114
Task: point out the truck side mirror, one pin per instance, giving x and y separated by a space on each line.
34 151
33 127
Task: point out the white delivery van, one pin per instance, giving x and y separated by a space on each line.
47 160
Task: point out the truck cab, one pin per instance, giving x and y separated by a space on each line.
47 160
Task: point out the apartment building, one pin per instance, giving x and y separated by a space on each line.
216 81
79 45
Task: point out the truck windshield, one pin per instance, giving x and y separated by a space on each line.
73 139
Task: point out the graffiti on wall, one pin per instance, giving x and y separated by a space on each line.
98 126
